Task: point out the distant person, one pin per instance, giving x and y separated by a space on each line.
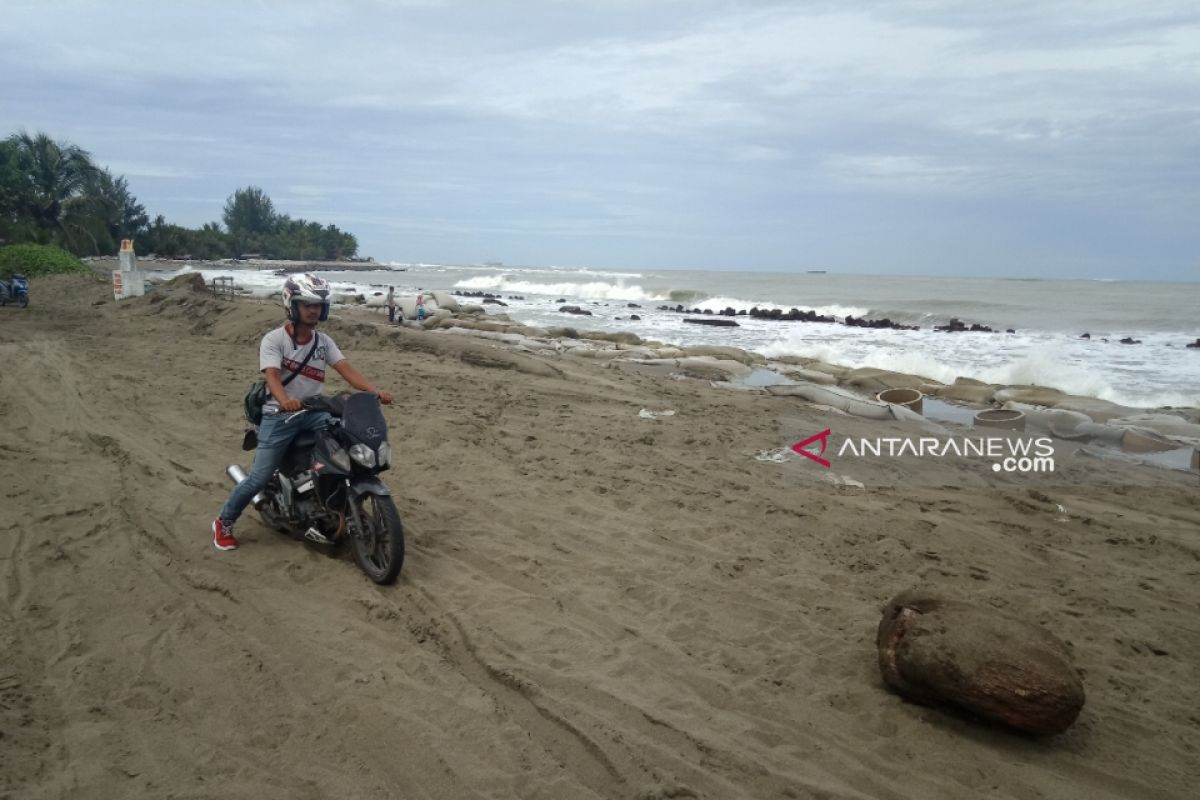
282 352
391 304
420 305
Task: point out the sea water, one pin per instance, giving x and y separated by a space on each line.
1049 317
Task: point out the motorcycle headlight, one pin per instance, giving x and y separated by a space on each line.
340 459
385 454
363 454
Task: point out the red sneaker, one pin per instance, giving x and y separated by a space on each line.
223 535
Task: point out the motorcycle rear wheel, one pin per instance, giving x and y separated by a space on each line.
23 302
267 513
379 547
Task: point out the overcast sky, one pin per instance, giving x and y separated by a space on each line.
1042 138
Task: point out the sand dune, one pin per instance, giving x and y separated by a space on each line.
593 605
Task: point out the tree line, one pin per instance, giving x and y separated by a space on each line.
51 192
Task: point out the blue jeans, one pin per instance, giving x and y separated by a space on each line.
276 432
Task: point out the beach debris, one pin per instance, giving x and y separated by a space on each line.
777 456
646 413
942 652
842 480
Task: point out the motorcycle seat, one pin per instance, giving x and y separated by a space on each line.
304 440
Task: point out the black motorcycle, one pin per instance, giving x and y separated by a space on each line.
327 489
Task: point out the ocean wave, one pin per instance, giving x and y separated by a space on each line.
686 296
1047 366
591 290
1019 361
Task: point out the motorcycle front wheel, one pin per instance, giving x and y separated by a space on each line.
379 546
23 301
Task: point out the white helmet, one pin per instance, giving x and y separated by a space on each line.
306 288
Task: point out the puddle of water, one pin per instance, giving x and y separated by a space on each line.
941 411
761 377
1180 459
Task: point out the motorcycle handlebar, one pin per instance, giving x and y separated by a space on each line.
335 405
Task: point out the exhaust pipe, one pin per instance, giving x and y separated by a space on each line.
237 475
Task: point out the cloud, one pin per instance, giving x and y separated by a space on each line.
144 170
553 119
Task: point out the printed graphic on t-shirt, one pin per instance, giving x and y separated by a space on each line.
309 371
278 350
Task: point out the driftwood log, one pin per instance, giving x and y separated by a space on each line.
937 651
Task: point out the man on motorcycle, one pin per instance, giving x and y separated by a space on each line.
296 347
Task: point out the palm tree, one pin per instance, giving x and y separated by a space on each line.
54 174
105 212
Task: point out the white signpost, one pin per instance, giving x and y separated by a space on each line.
128 281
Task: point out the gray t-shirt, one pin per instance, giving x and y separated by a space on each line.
278 351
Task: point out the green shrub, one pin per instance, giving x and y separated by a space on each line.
35 260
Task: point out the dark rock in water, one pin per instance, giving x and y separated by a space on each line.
861 322
792 315
561 300
716 323
575 310
1195 345
633 305
492 301
1085 336
937 651
1010 330
958 326
635 318
1130 340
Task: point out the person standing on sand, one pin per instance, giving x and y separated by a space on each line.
391 303
297 348
420 305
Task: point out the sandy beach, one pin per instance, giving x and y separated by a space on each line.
594 604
